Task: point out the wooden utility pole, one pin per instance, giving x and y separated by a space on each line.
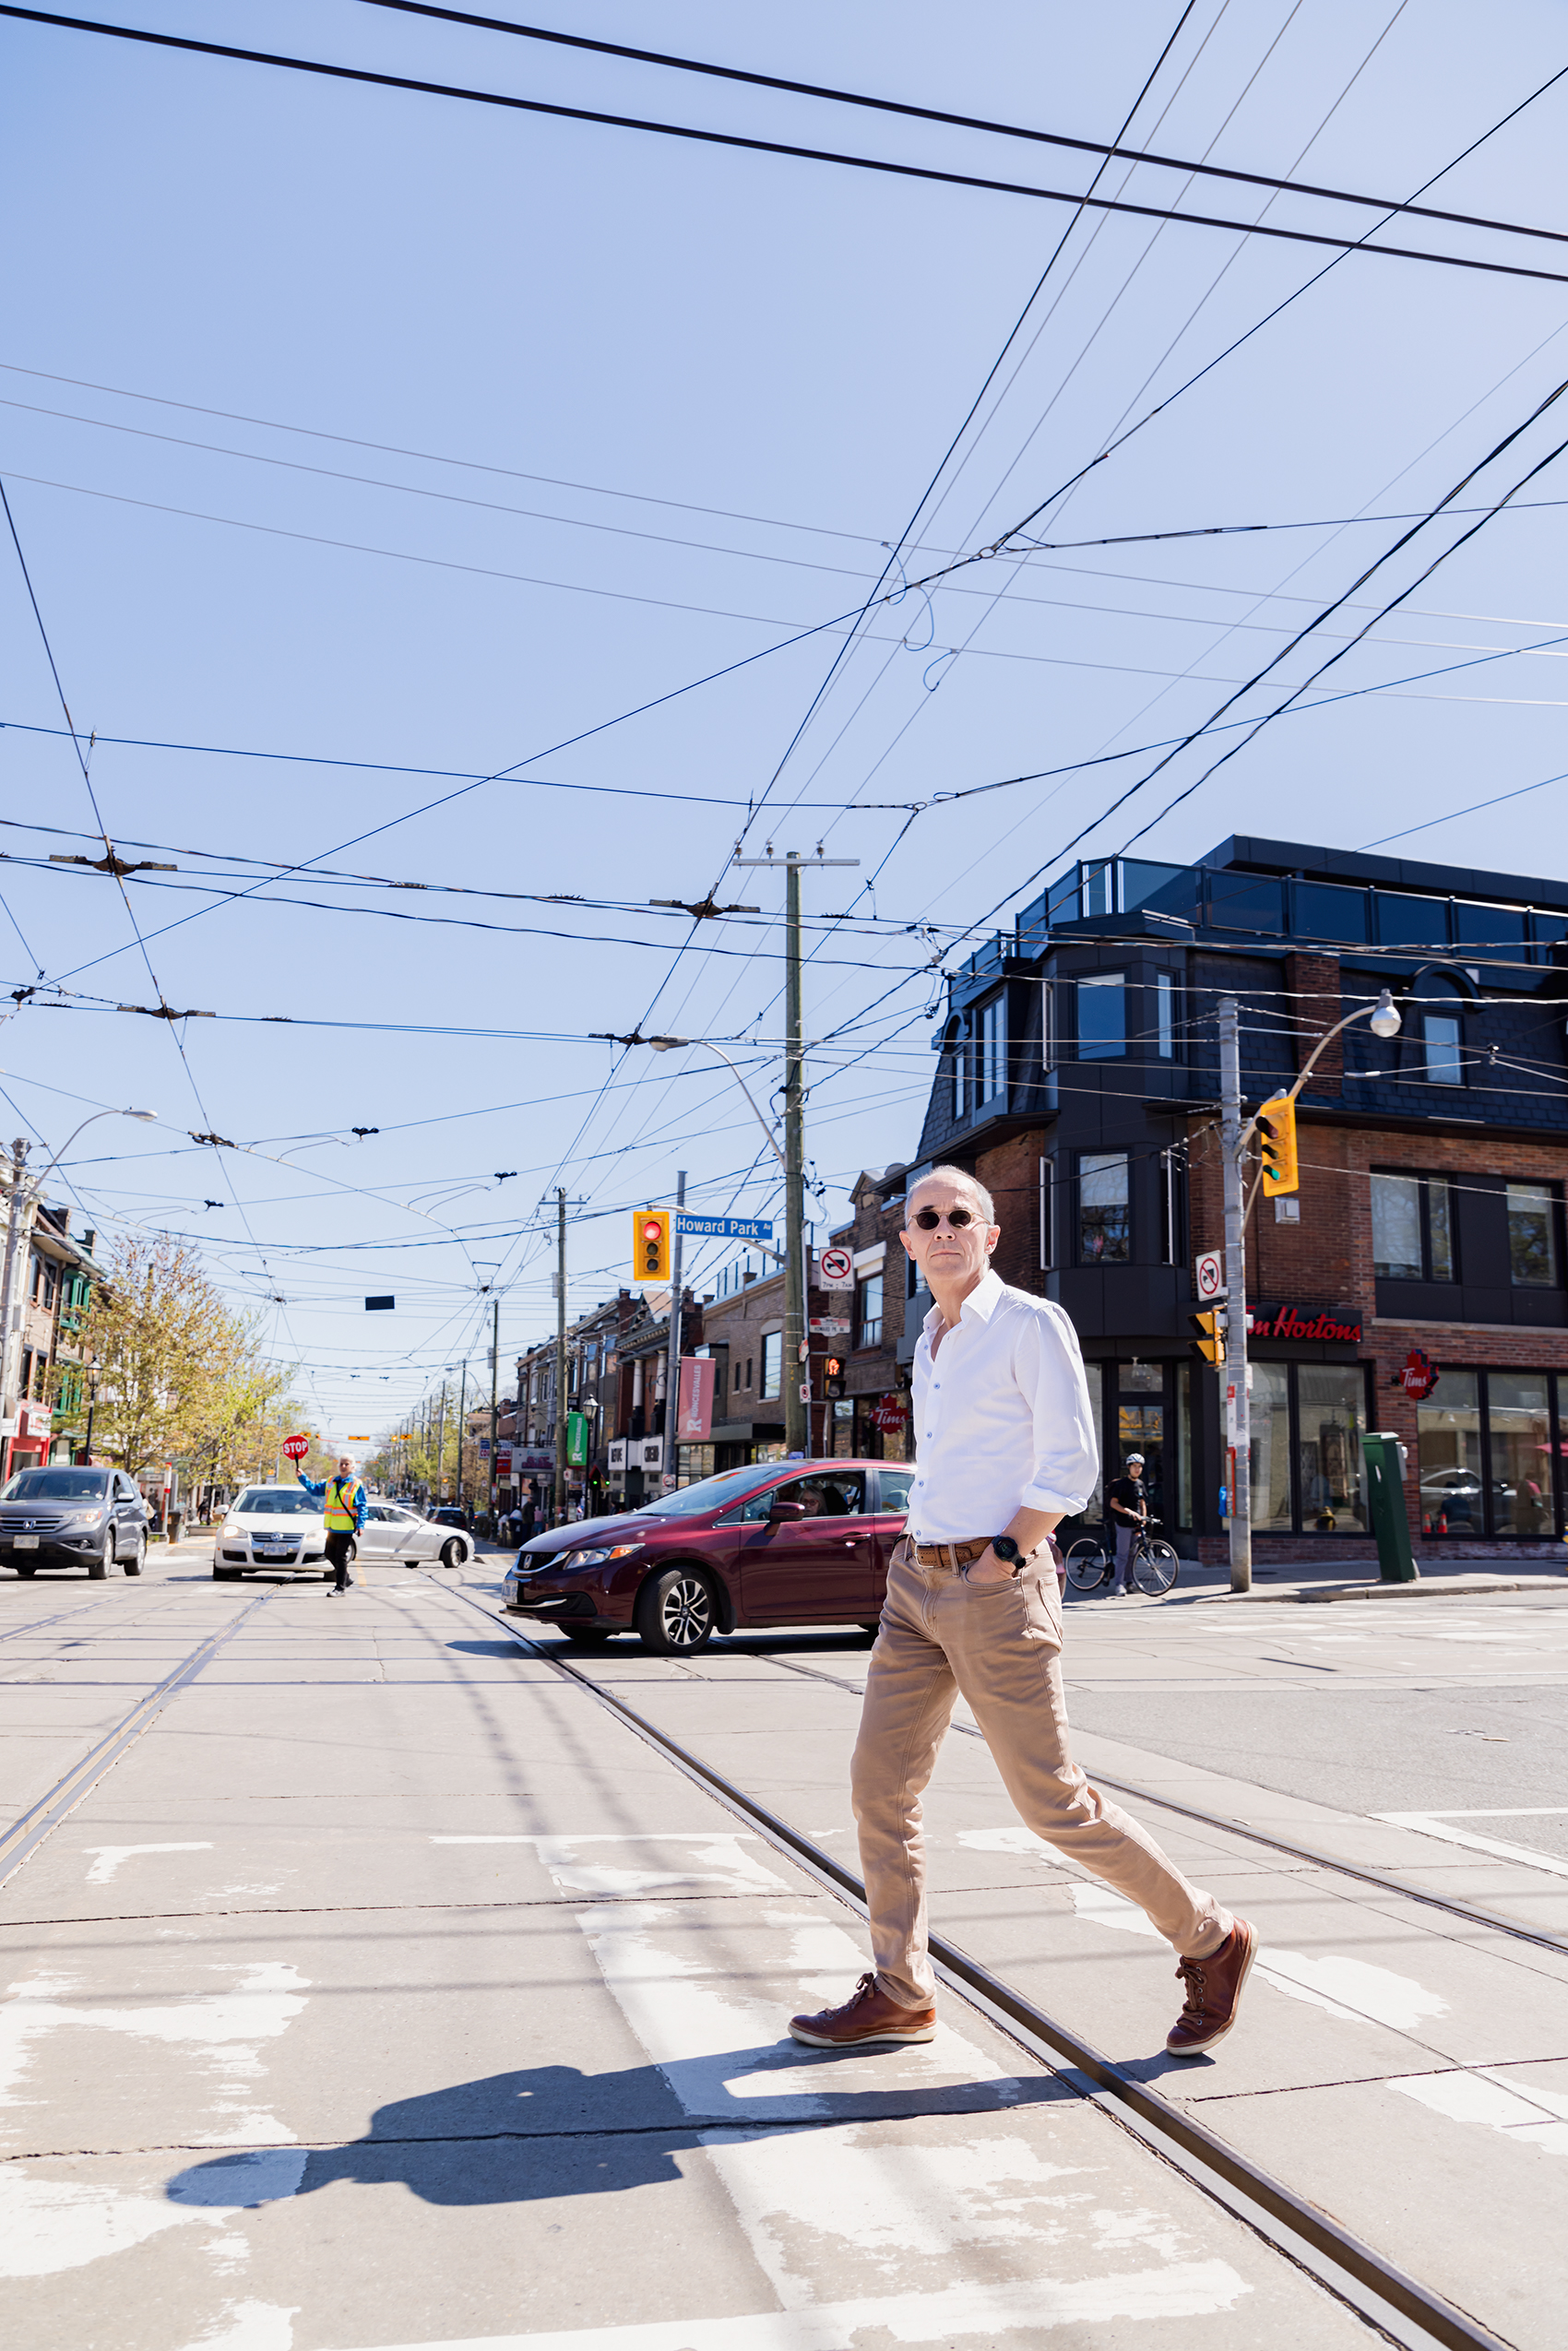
560 1358
670 1474
494 1375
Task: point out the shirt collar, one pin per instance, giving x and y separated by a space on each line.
982 1301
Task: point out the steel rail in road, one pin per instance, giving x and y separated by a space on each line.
1469 1911
24 1836
66 1616
1374 2288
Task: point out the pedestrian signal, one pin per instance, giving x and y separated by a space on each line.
1210 1329
1276 1139
651 1245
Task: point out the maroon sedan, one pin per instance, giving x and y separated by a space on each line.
780 1543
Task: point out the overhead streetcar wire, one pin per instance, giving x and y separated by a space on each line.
777 146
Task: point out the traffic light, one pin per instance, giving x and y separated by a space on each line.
833 1377
1276 1140
651 1245
1210 1329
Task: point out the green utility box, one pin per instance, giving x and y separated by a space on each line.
1385 1490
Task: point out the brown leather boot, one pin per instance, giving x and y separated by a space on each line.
867 2016
1214 1992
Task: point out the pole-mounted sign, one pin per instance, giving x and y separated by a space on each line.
296 1447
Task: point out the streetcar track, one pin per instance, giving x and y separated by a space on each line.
1301 2231
22 1839
1470 1912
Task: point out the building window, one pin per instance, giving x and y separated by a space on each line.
1441 1034
1532 1236
1519 1440
772 1364
989 1050
870 1303
1448 1427
1172 1224
1105 1226
1412 1229
1307 1421
1165 1016
1046 1026
1047 1214
1102 1017
956 1052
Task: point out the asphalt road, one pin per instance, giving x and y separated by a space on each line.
388 1993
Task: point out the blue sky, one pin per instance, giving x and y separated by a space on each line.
461 435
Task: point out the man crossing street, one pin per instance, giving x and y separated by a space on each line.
346 1506
1006 1442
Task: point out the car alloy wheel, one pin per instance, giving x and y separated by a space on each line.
453 1554
675 1614
134 1564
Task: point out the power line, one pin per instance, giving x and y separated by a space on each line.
777 146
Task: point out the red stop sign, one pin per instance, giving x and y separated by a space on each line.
296 1447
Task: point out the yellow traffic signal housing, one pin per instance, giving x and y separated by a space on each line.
1210 1329
651 1245
1276 1139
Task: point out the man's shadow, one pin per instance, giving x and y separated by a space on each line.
554 2130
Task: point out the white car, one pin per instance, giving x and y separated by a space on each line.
393 1531
271 1527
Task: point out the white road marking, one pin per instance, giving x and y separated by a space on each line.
729 1870
819 2203
1534 2118
1351 1988
251 2326
226 2026
112 1856
1437 1825
48 2224
1189 2290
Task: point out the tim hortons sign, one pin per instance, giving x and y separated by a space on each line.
1304 1322
1417 1375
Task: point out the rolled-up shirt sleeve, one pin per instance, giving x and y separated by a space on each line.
1048 1367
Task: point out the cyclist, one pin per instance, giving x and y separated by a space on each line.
1128 1497
346 1508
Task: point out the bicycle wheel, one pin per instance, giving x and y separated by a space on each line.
1155 1567
1089 1564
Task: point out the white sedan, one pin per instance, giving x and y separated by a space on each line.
391 1531
271 1527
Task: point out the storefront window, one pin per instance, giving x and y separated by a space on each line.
1449 1442
1521 1453
840 1428
1094 1509
1182 1484
1331 1406
1532 1240
1270 1425
1105 1230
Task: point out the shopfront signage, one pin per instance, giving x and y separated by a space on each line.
888 1414
1418 1376
697 1374
617 1457
1304 1322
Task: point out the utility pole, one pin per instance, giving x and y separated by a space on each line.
15 1220
462 1425
1237 1422
441 1444
560 1358
797 1363
672 1360
494 1375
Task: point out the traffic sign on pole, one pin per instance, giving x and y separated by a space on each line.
696 1227
296 1447
1209 1275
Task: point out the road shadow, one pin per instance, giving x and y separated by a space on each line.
551 2130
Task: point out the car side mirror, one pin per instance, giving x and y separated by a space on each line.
786 1510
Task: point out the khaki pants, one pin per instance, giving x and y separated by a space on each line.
1000 1647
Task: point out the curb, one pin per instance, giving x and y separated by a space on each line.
1468 1587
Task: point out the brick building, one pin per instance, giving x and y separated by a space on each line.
1078 1077
57 1278
870 1419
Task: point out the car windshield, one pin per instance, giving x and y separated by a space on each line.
64 1485
278 1501
708 1493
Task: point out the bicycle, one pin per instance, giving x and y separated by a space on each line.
1153 1566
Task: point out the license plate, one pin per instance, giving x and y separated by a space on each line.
26 1542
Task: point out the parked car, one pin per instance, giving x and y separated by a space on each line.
450 1516
271 1527
780 1543
397 1531
59 1515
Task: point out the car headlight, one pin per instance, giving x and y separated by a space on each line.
231 1529
87 1518
597 1559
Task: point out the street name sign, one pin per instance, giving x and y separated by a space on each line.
695 1227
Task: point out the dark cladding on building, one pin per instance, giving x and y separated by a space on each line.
1419 1280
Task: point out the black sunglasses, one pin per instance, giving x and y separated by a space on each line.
928 1218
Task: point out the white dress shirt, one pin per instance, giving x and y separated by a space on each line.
1002 1416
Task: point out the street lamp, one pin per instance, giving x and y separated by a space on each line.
23 1197
1383 1018
668 1044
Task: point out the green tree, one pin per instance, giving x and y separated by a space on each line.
180 1376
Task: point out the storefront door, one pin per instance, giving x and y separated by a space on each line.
1140 1426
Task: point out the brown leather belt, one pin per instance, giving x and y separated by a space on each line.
950 1555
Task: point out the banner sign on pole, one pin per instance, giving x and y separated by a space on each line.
697 1374
723 1227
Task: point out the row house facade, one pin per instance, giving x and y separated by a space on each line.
616 1361
1418 1282
51 1363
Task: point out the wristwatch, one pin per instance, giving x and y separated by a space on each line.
1007 1550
